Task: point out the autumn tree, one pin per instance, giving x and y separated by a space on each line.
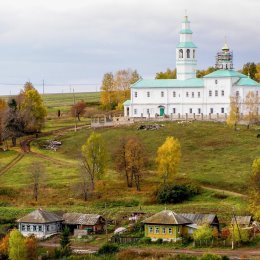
254 188
37 172
78 109
32 108
202 73
168 74
107 95
168 158
31 247
4 247
3 107
94 158
250 69
252 105
204 232
257 75
17 247
234 115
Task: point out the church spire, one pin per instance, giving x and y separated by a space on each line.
224 58
186 52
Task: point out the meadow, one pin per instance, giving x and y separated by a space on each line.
213 155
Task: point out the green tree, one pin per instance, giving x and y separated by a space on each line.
250 69
252 105
17 247
202 73
168 158
3 107
168 74
204 232
94 157
65 245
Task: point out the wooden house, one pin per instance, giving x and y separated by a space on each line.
166 225
40 223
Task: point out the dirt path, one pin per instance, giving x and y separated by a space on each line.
11 164
226 192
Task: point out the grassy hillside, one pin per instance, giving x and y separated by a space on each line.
212 154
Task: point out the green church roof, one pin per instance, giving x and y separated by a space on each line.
247 82
127 102
225 74
186 45
186 31
169 83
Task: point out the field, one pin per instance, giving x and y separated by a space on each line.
213 155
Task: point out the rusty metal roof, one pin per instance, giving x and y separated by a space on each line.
167 217
82 219
201 219
40 216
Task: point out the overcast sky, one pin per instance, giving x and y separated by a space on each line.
70 42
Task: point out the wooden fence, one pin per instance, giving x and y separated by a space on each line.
124 240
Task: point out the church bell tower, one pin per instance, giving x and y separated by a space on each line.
224 58
186 62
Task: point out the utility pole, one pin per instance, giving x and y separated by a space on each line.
42 87
75 112
106 222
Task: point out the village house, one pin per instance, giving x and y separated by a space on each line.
166 225
40 223
83 224
242 221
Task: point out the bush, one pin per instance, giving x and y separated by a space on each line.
145 240
108 249
176 193
159 241
210 257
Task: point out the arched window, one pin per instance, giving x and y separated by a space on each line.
193 54
180 53
188 53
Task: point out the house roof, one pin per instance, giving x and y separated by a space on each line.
169 83
247 82
81 219
242 220
167 217
225 74
40 216
200 219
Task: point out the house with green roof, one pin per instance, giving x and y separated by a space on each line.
188 96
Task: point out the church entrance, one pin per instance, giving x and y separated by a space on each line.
161 111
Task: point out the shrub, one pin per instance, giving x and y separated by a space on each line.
108 249
145 240
159 241
175 193
203 233
210 257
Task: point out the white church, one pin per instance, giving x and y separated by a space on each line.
188 96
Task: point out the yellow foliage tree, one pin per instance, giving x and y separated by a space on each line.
107 98
233 116
17 247
252 105
257 75
3 107
168 158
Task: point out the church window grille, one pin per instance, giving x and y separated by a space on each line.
188 53
174 110
198 94
216 93
162 94
180 53
222 110
190 110
210 93
148 94
174 94
135 111
199 110
136 94
193 54
192 94
187 94
222 93
211 111
216 81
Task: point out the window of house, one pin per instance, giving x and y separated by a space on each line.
198 94
135 111
193 54
150 229
170 230
222 110
34 228
187 94
163 230
210 93
162 94
23 227
40 228
192 94
211 110
157 230
28 227
216 93
148 111
47 228
222 93
199 110
180 53
148 94
237 93
174 110
135 94
216 81
178 229
174 94
190 110
188 53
